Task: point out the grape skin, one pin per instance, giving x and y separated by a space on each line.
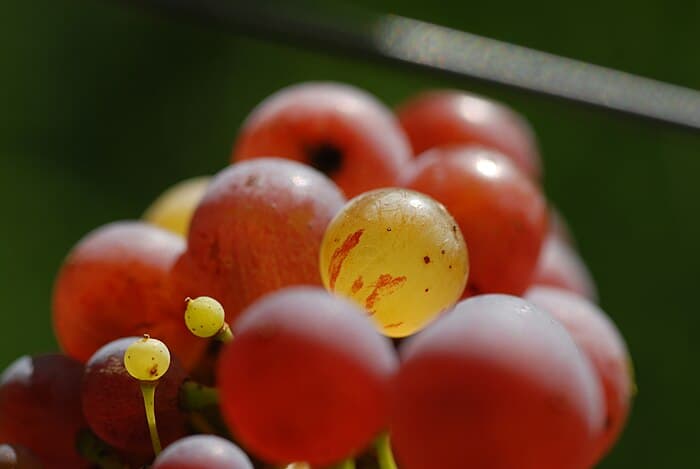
258 229
446 117
399 255
339 129
116 283
113 404
40 408
596 335
306 379
501 213
495 383
202 451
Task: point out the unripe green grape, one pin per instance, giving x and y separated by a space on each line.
204 316
147 359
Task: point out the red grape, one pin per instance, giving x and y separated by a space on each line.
202 451
561 266
40 408
495 384
258 229
502 215
596 335
113 403
306 379
17 457
448 117
338 129
115 283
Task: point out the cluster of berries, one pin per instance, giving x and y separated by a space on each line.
261 317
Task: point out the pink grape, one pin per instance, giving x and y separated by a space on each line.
338 129
306 379
116 283
501 213
258 229
495 383
113 404
596 335
446 117
40 408
200 452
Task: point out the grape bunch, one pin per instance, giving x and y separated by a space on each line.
359 288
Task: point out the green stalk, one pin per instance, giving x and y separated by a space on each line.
224 335
195 396
384 453
347 464
148 389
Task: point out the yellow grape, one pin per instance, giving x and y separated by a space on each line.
204 316
397 253
173 209
147 359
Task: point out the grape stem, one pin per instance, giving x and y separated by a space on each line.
97 452
148 389
196 396
224 335
384 453
347 464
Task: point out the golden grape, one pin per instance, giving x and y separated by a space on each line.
173 209
397 253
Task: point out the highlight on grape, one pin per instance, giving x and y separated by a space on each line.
359 288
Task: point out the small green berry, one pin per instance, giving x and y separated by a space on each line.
147 359
204 316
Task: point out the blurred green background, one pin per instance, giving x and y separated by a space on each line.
102 106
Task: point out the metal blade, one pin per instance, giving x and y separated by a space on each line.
447 51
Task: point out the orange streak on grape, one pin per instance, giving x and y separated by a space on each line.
385 285
357 285
393 324
340 254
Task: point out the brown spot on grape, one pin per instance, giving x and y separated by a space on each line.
442 252
385 285
454 229
388 228
340 254
251 180
450 266
154 370
426 259
357 285
427 290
